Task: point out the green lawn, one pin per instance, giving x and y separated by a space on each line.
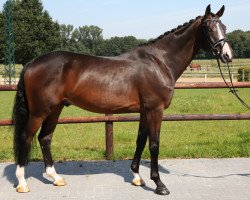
178 139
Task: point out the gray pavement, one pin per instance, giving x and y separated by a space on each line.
215 179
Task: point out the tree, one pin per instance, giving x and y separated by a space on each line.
65 35
238 41
71 40
34 31
91 37
247 45
2 37
118 45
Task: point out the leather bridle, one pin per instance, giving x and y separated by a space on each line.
217 46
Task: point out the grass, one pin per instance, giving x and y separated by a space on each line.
197 139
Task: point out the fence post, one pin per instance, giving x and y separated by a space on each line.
109 139
243 75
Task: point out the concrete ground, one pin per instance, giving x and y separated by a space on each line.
215 179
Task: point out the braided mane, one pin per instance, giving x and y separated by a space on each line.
172 31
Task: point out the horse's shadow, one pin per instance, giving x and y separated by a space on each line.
36 170
120 168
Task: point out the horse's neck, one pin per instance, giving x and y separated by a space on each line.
178 49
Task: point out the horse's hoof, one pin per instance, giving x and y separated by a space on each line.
162 191
138 182
22 189
60 182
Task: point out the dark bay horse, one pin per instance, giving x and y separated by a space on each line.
141 81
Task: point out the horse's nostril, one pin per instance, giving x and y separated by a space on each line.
227 57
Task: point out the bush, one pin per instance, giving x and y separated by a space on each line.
244 71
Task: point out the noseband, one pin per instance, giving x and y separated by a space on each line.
214 46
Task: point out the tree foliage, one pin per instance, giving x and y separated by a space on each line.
118 45
35 33
240 42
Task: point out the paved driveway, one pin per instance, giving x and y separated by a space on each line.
186 179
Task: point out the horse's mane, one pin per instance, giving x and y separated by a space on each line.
186 24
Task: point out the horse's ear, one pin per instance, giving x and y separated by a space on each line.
208 10
221 11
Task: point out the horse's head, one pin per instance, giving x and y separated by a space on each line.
214 32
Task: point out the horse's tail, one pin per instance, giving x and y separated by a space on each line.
20 116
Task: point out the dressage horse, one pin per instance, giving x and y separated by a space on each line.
140 80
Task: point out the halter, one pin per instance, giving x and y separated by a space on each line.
214 46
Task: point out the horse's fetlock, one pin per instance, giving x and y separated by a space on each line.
134 167
154 176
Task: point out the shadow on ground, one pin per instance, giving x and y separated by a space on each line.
120 168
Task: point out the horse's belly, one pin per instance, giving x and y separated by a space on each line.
103 101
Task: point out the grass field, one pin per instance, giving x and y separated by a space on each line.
178 139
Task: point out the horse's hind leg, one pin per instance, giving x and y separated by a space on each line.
45 139
32 127
140 144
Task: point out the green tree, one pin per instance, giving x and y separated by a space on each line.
35 33
65 35
76 44
2 37
91 37
71 40
247 44
118 45
237 39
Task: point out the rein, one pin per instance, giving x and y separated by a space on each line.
217 52
231 88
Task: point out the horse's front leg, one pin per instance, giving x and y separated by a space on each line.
154 119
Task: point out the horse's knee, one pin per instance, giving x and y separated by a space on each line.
45 142
154 148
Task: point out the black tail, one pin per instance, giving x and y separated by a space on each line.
19 118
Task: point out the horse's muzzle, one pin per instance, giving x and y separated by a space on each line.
225 58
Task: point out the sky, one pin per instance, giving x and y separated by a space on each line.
143 19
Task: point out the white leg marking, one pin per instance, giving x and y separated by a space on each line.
138 180
20 175
22 184
136 175
58 180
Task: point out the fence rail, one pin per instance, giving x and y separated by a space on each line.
215 85
115 118
110 119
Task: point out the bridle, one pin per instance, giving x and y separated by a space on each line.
217 52
214 46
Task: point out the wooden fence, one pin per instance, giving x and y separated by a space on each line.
110 119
